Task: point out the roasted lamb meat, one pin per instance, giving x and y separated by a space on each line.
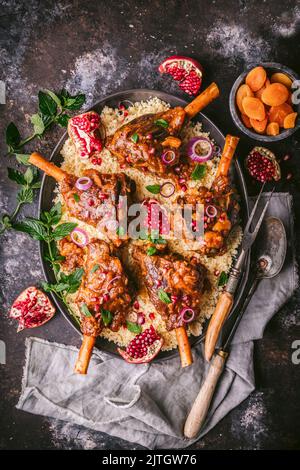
173 284
152 141
93 198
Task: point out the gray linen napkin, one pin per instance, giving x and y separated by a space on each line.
147 404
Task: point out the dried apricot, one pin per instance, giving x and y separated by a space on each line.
259 126
282 78
272 128
278 113
290 121
246 120
242 92
259 92
256 78
254 108
275 94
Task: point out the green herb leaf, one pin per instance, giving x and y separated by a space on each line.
29 175
223 279
16 176
47 105
164 297
71 102
133 327
95 268
151 251
120 231
13 137
55 214
135 137
38 124
76 197
25 195
23 158
199 172
153 188
106 316
84 309
63 230
162 123
54 97
33 227
62 120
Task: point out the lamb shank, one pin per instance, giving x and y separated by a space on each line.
93 198
175 287
152 141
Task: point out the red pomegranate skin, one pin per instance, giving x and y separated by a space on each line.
32 308
84 130
143 348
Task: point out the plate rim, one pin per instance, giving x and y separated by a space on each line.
169 354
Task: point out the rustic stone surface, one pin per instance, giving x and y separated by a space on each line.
101 47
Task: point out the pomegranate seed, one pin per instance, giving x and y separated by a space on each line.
136 305
183 188
216 272
289 176
106 297
286 158
152 316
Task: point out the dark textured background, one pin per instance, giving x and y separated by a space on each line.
101 47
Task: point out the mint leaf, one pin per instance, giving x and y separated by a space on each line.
164 297
47 105
133 327
63 230
223 279
84 309
54 97
71 102
199 172
161 123
76 197
62 120
135 138
23 158
33 227
16 176
13 137
95 268
38 124
106 316
153 188
151 251
55 214
25 195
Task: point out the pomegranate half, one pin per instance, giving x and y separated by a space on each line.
143 348
188 72
262 165
32 308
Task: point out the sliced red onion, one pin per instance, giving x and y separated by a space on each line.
167 189
191 149
83 183
168 157
79 237
190 317
113 280
211 211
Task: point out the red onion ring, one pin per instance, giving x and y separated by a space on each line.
184 318
211 211
165 157
83 183
112 280
81 233
191 149
167 189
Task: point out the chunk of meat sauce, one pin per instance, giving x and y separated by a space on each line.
183 281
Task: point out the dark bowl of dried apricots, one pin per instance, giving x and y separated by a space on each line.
265 102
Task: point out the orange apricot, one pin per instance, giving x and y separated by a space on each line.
259 126
254 108
259 92
290 121
275 94
256 78
278 113
282 78
246 120
242 92
273 128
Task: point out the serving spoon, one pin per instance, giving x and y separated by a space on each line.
270 256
